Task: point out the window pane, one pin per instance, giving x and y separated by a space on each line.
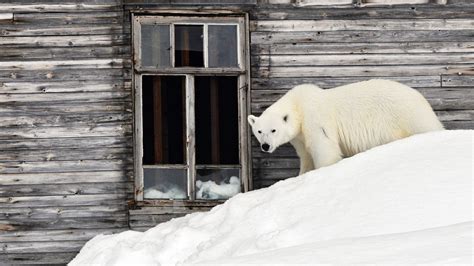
165 183
189 46
217 183
217 127
222 45
155 42
164 126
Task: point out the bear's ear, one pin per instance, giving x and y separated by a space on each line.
285 118
251 119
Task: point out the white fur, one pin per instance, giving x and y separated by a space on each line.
325 126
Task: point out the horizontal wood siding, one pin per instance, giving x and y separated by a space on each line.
66 169
428 47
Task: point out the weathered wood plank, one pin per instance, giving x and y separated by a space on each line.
68 86
394 12
5 17
362 60
16 30
66 177
458 124
362 48
61 97
63 120
45 145
69 6
119 130
331 82
66 189
209 4
58 154
361 24
60 212
365 3
66 75
49 258
141 228
381 36
151 220
100 106
68 18
64 166
62 64
457 81
65 41
448 116
65 52
28 247
368 71
263 183
111 221
270 174
66 200
54 235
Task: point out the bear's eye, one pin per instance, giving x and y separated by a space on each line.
273 130
259 132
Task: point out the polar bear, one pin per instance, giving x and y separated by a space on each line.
325 126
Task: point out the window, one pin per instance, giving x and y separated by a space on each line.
191 138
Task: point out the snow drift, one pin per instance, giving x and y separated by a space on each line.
409 201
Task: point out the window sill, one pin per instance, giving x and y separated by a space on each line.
175 203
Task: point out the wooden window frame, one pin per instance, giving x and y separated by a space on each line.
243 81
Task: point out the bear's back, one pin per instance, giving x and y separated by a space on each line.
372 113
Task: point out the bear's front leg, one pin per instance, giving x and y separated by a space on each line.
324 151
306 162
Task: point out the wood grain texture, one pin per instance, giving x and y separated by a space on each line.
361 25
66 128
358 48
66 100
279 12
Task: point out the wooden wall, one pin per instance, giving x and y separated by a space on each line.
428 47
66 169
65 127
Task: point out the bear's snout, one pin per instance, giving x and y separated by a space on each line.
265 147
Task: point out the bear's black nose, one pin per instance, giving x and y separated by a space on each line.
265 146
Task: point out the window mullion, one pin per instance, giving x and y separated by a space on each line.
206 46
190 137
139 182
172 45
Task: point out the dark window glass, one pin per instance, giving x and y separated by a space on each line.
217 132
189 46
164 126
155 42
222 45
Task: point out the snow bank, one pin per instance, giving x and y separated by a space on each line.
403 195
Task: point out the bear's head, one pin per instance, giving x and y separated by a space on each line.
273 129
